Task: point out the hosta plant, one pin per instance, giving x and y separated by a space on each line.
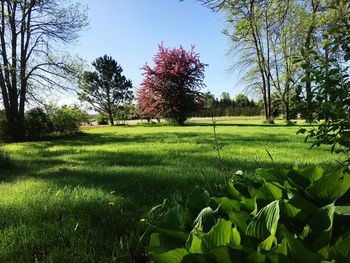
297 215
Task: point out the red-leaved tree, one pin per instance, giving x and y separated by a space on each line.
171 89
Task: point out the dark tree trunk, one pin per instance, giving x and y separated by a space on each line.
111 119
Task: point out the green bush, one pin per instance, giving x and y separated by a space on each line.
297 215
66 120
37 124
53 122
101 119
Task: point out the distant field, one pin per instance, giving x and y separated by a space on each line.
57 204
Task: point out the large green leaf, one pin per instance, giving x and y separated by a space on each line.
195 243
273 190
297 251
179 235
343 210
198 199
235 237
240 219
250 205
219 235
224 203
321 227
330 187
341 250
313 173
232 192
197 258
297 208
265 222
227 255
271 175
206 219
172 256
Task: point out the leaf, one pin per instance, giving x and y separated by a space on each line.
313 173
180 235
224 203
154 240
321 227
297 250
196 258
265 222
274 190
219 235
195 243
235 237
240 220
330 187
256 257
172 256
343 210
227 255
206 219
297 208
250 205
341 250
232 192
198 199
271 175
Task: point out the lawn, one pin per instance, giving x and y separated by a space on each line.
73 200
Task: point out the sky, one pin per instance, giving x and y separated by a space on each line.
131 30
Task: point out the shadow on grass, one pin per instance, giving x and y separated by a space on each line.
87 176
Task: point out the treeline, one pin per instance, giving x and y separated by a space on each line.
291 52
227 106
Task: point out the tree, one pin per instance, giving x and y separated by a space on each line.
30 32
242 101
172 88
105 89
331 77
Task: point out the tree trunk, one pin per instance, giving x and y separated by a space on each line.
111 119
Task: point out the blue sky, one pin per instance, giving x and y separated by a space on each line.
130 31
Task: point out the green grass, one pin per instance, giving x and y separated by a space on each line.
73 200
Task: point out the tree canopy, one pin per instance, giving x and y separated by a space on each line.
106 88
172 88
29 53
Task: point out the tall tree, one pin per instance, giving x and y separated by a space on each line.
30 33
105 89
172 88
250 31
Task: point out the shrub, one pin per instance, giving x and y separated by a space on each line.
269 121
101 119
297 215
37 124
66 120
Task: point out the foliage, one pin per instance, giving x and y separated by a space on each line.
53 122
32 58
37 124
105 89
66 120
172 88
332 85
101 119
240 106
297 215
57 184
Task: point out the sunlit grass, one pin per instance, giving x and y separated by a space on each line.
71 200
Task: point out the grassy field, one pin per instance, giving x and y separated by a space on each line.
72 200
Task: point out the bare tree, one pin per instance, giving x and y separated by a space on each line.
31 34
